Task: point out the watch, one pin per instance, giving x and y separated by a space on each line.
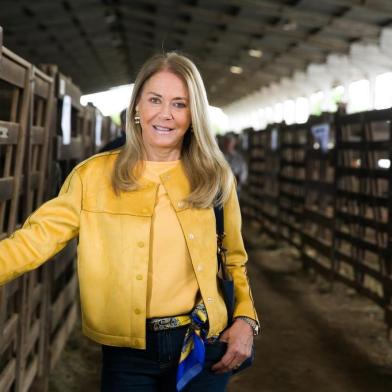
253 323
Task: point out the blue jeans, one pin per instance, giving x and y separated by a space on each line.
154 369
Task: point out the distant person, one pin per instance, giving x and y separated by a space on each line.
147 260
120 140
342 108
235 159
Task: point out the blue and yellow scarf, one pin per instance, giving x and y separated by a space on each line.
193 351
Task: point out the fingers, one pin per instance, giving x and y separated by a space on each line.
232 359
225 336
239 339
224 364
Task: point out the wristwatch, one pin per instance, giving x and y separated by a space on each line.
253 323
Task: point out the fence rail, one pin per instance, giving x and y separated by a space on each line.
328 192
37 151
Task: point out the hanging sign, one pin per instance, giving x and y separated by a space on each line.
62 87
98 129
274 139
321 135
66 119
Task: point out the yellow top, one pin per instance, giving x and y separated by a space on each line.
171 286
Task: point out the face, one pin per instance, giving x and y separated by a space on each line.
165 116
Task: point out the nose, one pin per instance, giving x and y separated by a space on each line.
166 113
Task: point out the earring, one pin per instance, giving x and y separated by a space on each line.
137 118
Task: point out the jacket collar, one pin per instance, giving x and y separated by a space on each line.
177 186
142 201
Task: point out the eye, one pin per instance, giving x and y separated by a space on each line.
180 105
154 100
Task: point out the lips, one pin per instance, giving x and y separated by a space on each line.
162 129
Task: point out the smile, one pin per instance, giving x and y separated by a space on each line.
162 129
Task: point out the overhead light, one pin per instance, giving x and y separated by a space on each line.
236 70
255 53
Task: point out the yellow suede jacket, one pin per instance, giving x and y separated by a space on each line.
114 249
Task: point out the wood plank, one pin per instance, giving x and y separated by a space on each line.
7 376
67 297
1 42
9 132
361 243
30 374
12 71
37 135
6 188
42 84
32 337
370 200
9 333
322 247
61 337
379 145
63 259
362 172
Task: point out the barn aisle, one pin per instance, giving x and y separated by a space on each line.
314 337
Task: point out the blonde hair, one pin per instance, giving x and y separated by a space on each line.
208 173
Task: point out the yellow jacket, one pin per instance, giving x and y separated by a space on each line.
114 246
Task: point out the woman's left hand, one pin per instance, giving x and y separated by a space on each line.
239 339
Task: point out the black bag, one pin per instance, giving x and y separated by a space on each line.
225 280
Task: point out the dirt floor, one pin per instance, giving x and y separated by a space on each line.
315 337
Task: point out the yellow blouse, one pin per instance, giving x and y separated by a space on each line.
172 286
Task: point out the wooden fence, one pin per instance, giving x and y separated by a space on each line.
15 91
325 187
37 151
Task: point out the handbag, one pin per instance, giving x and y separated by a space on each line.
225 280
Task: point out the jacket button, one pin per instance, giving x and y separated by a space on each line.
137 311
191 236
140 244
139 277
199 267
180 204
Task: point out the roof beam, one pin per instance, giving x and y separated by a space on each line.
365 5
305 16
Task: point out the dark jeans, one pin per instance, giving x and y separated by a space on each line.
154 369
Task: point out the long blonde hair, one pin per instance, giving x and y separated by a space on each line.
208 173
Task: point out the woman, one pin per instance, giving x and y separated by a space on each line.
147 242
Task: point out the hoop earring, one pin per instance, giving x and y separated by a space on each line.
137 118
